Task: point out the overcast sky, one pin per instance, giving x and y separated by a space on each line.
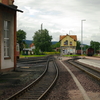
60 17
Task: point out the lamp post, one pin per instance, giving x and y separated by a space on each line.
82 35
99 49
69 41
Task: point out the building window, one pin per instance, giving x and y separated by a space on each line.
6 38
70 43
66 42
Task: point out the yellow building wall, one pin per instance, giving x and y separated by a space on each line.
69 40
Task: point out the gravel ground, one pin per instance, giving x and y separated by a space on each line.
66 89
11 82
91 86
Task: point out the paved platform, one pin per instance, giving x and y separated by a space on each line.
92 62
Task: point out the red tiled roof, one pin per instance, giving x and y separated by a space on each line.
31 45
72 36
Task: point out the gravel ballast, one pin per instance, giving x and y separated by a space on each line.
66 89
12 82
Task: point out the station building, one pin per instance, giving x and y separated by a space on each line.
7 35
68 44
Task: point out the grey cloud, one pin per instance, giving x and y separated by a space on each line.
60 16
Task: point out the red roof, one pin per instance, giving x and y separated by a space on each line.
31 45
72 36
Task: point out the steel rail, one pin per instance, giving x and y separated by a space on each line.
91 71
32 84
52 84
32 58
28 86
29 62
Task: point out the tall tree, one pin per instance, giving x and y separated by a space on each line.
42 40
86 47
20 36
78 45
95 45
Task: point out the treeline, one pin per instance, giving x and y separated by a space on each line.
93 44
42 42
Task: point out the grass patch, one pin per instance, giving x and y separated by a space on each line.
23 56
51 53
45 54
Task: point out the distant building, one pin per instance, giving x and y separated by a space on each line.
32 46
7 35
68 44
29 51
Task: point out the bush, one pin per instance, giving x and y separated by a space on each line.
51 53
36 51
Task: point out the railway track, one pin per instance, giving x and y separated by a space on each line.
31 61
91 71
38 88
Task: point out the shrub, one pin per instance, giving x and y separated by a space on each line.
51 53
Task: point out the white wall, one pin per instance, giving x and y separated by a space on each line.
8 63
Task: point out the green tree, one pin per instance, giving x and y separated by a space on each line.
56 45
95 45
36 51
83 48
42 40
20 36
86 47
78 45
